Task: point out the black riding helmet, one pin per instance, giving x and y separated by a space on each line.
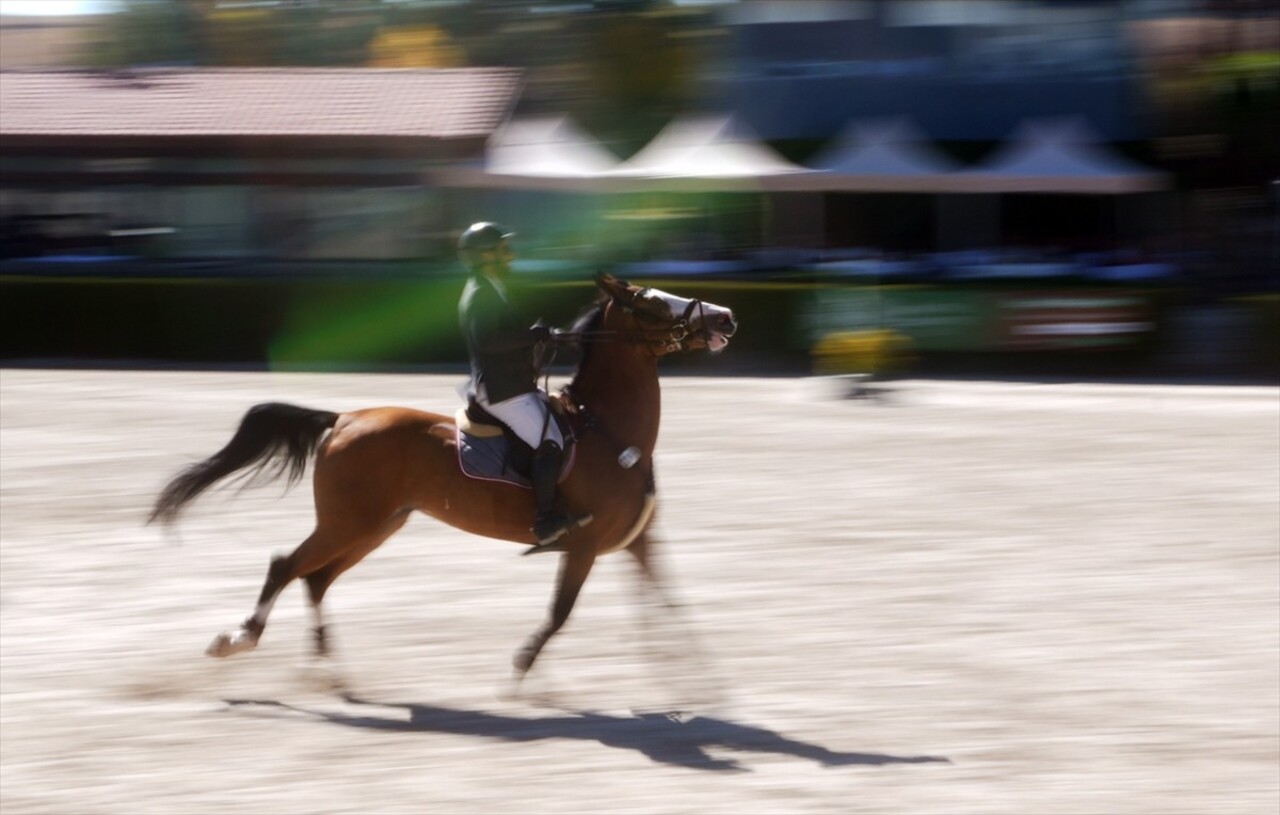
482 236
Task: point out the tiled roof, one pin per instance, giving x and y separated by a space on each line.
436 104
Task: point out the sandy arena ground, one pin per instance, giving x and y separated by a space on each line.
972 598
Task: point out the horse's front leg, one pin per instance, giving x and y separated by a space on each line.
669 636
575 565
653 594
651 580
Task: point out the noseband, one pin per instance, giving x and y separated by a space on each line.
672 338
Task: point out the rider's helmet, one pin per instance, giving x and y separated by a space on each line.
480 237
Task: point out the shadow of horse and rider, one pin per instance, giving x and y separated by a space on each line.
665 738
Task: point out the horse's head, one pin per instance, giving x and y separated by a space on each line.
667 323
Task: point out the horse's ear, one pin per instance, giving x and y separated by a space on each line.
609 283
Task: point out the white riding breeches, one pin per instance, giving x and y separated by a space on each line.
527 417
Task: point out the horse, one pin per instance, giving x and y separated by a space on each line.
373 468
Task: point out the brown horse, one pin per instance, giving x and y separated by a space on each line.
377 466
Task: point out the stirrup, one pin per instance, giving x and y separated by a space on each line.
551 527
548 542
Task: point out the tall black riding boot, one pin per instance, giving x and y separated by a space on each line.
550 523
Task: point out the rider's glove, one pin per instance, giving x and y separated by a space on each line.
541 332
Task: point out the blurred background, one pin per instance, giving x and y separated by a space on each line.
1082 187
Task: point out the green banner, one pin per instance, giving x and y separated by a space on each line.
949 319
934 319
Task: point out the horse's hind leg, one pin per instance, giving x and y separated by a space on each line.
319 581
329 551
312 554
317 584
245 638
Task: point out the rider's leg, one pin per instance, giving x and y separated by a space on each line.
527 416
550 522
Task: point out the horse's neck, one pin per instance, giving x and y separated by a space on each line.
618 385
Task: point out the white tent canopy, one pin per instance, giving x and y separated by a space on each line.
1057 156
719 153
706 154
881 155
539 153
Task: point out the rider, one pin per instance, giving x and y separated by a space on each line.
503 372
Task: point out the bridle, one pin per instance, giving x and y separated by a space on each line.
660 340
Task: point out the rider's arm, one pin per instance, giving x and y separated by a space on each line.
493 328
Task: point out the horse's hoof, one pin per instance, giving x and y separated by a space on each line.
327 677
229 643
509 690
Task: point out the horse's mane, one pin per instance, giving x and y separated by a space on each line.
589 317
588 320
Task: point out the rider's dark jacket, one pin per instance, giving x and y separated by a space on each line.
499 343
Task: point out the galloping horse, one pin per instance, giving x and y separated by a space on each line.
376 466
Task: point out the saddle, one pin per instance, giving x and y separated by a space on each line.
489 451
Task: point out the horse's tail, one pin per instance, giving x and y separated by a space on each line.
287 435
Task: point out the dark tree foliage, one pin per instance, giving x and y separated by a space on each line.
622 67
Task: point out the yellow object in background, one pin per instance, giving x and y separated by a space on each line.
874 352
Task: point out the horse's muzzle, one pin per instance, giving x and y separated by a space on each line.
724 324
718 328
